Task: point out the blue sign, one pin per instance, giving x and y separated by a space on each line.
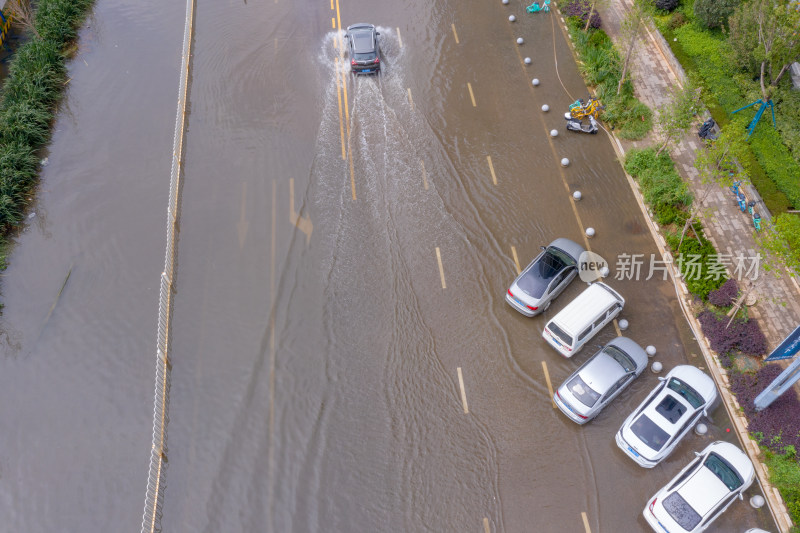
787 349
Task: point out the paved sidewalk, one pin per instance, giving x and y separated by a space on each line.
655 73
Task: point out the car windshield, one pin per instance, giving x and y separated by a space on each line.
582 391
536 279
621 357
558 332
724 471
681 511
688 393
648 432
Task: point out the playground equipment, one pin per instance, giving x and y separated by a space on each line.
753 123
535 7
580 109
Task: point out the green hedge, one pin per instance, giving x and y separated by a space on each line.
703 55
30 96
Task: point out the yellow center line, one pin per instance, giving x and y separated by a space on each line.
516 260
441 268
486 525
333 23
410 100
338 18
616 327
586 522
331 4
491 169
454 33
424 174
549 385
399 38
346 107
339 97
463 392
471 96
352 174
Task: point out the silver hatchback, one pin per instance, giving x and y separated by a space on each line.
544 279
600 379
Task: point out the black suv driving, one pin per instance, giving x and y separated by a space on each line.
365 53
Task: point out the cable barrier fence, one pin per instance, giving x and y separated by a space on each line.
151 519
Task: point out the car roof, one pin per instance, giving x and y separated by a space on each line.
601 372
703 490
577 313
361 26
570 247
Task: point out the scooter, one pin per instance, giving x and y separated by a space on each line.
576 124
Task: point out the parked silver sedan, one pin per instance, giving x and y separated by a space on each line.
544 279
600 379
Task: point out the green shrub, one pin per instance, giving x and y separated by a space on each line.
677 20
784 473
714 13
699 252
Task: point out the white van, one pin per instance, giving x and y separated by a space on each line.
582 318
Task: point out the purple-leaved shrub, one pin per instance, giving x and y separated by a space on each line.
743 335
580 9
778 424
725 295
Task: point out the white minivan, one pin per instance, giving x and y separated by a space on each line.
582 318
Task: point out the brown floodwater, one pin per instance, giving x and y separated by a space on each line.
318 348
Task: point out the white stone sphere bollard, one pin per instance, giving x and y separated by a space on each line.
564 162
651 350
701 429
535 82
545 108
520 40
590 232
656 367
757 501
527 60
553 133
512 18
505 2
623 324
577 195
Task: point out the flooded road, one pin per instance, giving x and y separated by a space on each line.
342 355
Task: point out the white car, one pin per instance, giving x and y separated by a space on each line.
669 412
701 491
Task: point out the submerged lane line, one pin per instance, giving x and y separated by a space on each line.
491 169
486 525
549 385
471 95
410 100
454 32
586 522
616 327
339 97
516 260
333 23
424 174
441 268
399 38
463 392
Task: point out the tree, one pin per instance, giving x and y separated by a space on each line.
675 117
714 13
22 12
764 38
592 10
636 19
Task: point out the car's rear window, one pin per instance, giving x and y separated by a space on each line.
680 511
724 471
535 280
648 432
558 332
691 395
622 358
582 391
